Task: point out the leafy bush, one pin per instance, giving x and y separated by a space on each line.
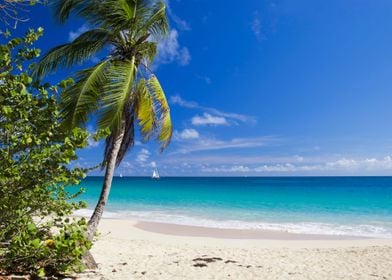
37 235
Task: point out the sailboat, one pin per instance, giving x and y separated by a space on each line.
155 174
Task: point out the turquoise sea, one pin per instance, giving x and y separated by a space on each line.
360 206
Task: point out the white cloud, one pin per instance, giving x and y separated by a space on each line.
169 50
187 134
207 119
343 163
143 156
92 143
72 35
177 99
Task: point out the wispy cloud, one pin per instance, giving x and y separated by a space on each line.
219 159
206 79
91 143
72 35
143 156
206 144
186 134
343 165
169 50
256 25
177 100
207 119
180 23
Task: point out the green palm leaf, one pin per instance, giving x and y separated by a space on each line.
116 94
82 48
82 98
145 109
154 21
63 8
165 129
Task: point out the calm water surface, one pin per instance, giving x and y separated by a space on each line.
330 205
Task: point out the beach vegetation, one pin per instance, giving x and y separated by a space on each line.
38 236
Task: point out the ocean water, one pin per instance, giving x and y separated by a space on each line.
360 206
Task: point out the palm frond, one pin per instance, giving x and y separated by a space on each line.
82 98
165 128
82 48
114 14
145 110
63 8
151 18
92 10
97 34
116 93
157 24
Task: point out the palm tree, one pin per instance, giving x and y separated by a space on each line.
120 90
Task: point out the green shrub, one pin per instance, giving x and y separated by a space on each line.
37 235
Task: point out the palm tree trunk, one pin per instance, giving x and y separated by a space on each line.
107 183
88 258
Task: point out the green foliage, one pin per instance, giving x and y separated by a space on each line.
37 236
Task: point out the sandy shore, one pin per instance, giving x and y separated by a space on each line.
141 250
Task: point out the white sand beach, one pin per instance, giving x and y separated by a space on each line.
141 250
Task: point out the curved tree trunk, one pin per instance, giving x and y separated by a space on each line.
103 198
107 183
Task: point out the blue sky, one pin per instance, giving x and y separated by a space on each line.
265 88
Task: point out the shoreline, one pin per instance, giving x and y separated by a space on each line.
227 233
135 250
184 234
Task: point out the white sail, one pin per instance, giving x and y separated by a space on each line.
155 174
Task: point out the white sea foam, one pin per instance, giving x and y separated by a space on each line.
360 230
